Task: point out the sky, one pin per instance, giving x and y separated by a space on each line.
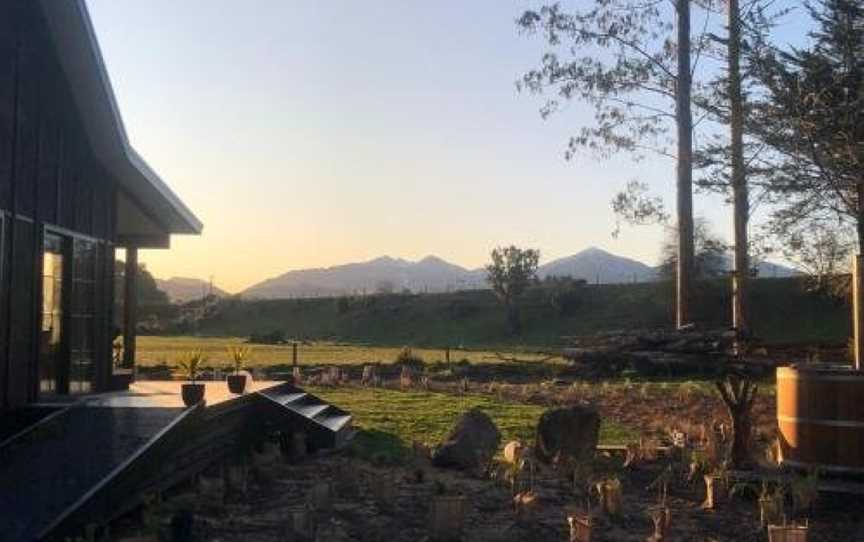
310 134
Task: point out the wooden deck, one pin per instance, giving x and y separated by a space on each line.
98 455
166 394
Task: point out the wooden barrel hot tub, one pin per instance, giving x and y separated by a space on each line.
820 415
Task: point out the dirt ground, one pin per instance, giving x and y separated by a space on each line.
263 513
361 510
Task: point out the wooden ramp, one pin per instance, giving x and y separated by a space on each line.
97 458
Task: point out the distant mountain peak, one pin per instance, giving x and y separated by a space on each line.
182 289
431 274
597 265
434 274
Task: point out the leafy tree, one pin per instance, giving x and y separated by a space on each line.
822 251
148 292
812 119
511 272
385 287
564 294
710 261
641 92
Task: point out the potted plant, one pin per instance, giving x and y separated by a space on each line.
609 491
192 391
788 532
805 491
660 513
580 526
771 499
771 505
239 356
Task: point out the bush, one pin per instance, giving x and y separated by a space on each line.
343 304
408 358
272 337
565 295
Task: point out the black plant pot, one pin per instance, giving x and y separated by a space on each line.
192 393
237 383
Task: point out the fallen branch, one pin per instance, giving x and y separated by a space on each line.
514 359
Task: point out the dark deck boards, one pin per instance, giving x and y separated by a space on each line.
47 470
97 456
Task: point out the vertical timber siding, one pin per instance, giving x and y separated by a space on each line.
48 178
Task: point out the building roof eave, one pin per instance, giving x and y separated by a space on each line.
81 60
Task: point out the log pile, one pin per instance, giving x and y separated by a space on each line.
650 352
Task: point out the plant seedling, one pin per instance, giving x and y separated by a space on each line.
239 356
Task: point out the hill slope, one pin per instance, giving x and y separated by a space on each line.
598 267
384 274
434 275
782 311
183 289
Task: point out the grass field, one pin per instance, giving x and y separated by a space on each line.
391 420
782 312
154 350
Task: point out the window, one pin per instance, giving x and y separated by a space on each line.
51 373
82 321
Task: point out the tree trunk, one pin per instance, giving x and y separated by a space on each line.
739 180
684 120
738 394
858 287
513 320
860 223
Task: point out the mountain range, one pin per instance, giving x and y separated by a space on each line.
432 274
183 289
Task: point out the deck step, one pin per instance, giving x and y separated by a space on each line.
329 424
309 411
337 422
293 398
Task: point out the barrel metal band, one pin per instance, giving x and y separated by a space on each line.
820 377
829 423
822 466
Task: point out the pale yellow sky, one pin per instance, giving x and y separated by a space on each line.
315 133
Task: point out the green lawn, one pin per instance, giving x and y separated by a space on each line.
153 350
391 420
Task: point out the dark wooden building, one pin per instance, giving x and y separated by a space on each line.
72 191
77 449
